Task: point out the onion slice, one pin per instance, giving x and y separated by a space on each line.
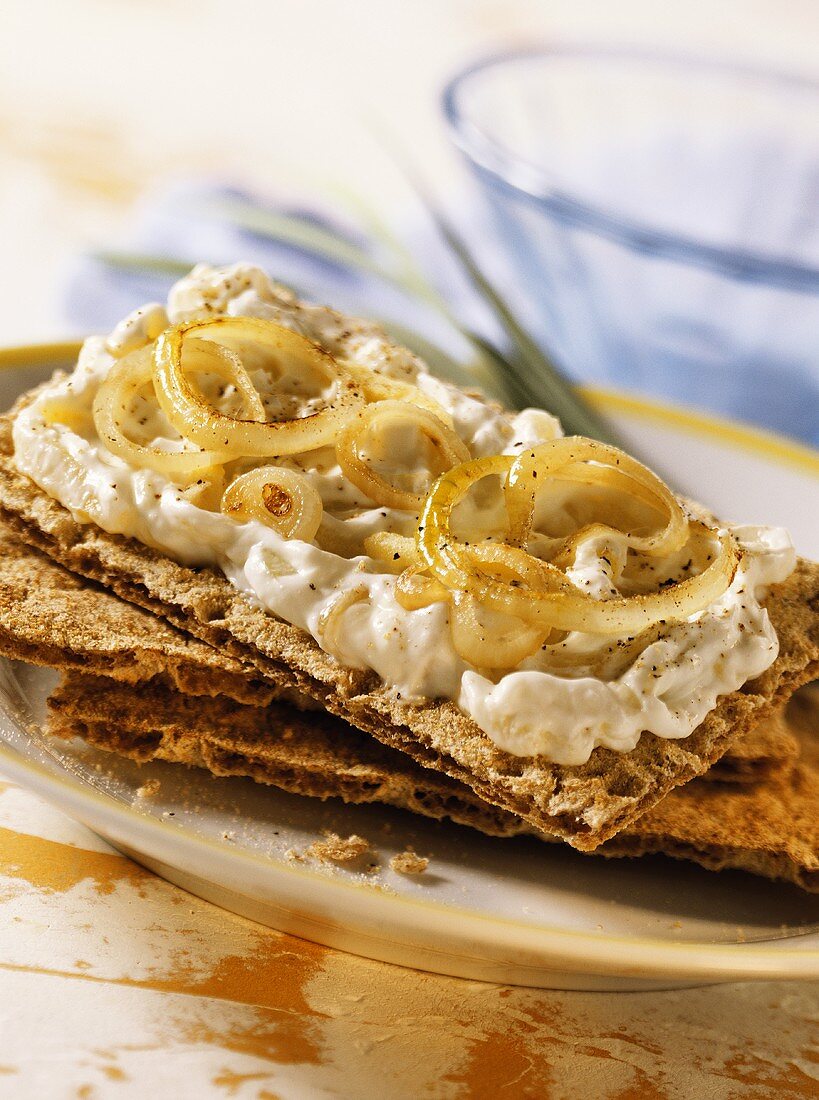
395 552
605 463
329 622
111 414
437 545
491 645
375 418
279 498
541 593
379 387
414 589
552 599
196 419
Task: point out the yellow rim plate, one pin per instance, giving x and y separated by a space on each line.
428 935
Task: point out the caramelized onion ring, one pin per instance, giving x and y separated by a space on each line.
378 387
396 552
414 590
329 621
212 358
497 646
374 417
555 601
533 467
437 545
279 498
197 420
543 595
110 411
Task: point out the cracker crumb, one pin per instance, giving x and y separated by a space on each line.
149 789
294 856
409 862
337 849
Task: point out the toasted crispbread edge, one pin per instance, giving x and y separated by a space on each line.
53 618
770 829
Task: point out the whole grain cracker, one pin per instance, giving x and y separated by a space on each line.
52 617
585 804
770 828
49 616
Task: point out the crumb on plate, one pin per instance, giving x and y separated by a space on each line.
337 849
409 862
149 789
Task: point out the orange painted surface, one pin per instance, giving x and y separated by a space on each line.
156 987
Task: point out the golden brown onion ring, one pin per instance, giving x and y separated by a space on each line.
374 417
414 590
212 358
279 498
437 545
110 411
496 646
543 594
378 387
534 467
551 599
197 420
395 552
502 645
206 491
330 619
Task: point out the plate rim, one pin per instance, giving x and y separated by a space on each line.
736 434
642 955
653 958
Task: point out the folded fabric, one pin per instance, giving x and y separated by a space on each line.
213 221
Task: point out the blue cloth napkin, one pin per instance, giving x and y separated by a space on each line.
187 222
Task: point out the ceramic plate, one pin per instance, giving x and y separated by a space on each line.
512 911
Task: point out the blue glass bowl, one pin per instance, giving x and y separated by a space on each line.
660 221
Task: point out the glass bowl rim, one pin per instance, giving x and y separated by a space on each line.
493 160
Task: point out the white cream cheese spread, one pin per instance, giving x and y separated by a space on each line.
667 689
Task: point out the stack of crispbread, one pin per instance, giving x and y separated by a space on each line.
585 805
136 685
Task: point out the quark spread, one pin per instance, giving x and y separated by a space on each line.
667 689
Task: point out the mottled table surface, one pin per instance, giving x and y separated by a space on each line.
114 983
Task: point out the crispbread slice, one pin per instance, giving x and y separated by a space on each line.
585 805
769 750
49 616
769 828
